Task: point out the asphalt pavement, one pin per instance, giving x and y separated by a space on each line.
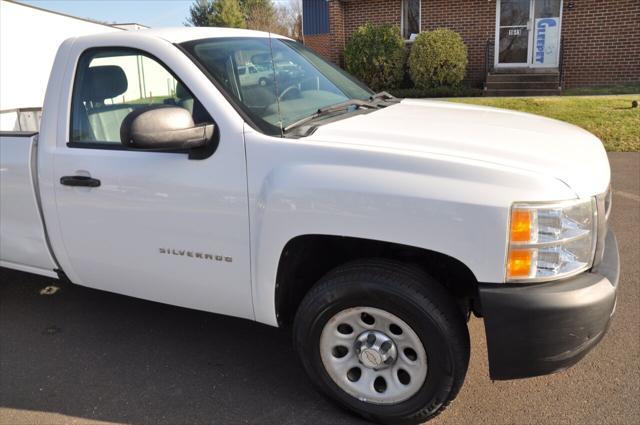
79 356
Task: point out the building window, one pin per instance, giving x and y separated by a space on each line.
410 18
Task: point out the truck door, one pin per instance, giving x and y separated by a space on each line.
154 225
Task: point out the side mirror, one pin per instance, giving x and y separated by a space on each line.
162 128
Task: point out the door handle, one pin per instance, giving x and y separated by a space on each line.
79 181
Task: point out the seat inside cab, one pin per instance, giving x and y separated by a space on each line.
104 106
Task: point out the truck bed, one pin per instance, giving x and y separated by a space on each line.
23 245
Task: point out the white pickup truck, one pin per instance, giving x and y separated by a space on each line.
373 226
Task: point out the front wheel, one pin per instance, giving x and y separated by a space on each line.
384 340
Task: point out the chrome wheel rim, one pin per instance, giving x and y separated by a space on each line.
373 355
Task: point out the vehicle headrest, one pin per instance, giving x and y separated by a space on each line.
182 92
104 82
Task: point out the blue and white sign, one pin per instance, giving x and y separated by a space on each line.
547 41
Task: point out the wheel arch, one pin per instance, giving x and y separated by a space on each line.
306 258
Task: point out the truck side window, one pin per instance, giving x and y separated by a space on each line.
111 83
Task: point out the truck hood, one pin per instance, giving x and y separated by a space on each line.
506 138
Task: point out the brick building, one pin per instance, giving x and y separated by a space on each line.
513 45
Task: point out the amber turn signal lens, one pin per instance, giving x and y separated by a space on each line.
519 264
521 225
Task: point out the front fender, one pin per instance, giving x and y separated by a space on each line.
456 207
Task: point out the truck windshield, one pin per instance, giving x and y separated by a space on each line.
274 82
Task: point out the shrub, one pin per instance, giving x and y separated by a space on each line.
438 58
376 55
440 91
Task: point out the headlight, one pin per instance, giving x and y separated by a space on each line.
551 241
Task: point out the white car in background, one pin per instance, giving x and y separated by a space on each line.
251 75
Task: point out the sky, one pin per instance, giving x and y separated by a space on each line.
153 13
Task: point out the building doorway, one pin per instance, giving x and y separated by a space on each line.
528 33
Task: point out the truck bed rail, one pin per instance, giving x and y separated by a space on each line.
18 120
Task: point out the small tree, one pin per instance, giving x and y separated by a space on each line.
376 54
200 14
296 14
227 13
438 58
262 15
216 13
289 18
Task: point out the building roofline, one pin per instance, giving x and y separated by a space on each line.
63 14
130 23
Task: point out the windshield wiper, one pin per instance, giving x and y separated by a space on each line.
383 95
330 109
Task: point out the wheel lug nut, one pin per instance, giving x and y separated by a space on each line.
371 339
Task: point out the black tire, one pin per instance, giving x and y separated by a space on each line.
263 81
412 296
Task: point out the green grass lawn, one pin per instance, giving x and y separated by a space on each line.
611 118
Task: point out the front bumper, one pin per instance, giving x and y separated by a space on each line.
544 328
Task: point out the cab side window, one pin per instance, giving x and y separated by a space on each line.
111 83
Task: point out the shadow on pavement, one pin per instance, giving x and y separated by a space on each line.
95 355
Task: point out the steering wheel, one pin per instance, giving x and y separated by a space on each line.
310 83
288 92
